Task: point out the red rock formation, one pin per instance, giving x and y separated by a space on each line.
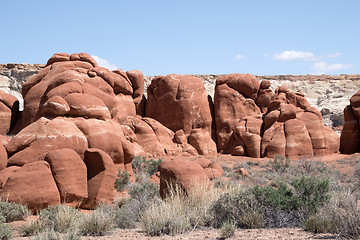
70 174
101 173
9 109
182 171
235 96
293 128
350 135
32 185
180 102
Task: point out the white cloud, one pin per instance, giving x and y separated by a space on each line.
104 63
334 55
323 67
289 55
239 57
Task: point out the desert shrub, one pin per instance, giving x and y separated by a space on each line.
239 207
148 166
13 211
281 197
122 180
340 215
5 229
31 228
312 192
179 212
227 230
98 222
60 218
279 164
48 235
145 189
125 218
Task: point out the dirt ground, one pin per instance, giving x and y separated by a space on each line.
210 233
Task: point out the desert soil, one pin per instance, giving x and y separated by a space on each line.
275 233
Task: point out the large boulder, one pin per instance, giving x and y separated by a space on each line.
70 174
180 102
32 185
101 174
350 135
181 172
76 86
9 112
234 99
293 128
37 139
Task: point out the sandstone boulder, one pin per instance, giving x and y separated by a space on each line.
350 135
3 157
101 174
70 174
180 102
182 171
76 86
32 185
9 112
234 99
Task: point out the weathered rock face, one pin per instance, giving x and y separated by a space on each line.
293 128
9 111
284 124
182 171
35 177
72 112
235 96
82 122
180 102
350 135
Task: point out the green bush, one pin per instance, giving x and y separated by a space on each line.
148 166
144 189
60 218
32 228
5 229
98 222
280 164
281 197
13 211
227 230
319 224
240 208
312 192
122 180
125 218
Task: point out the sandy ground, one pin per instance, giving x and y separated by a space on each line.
248 234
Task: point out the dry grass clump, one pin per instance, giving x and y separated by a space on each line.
180 212
341 215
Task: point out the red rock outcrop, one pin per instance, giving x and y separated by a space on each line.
180 102
32 185
182 171
234 99
350 135
293 128
9 111
101 173
70 174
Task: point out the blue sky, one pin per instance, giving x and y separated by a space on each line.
188 37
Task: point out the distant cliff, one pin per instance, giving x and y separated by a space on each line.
328 93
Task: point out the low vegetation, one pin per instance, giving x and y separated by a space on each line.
302 194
